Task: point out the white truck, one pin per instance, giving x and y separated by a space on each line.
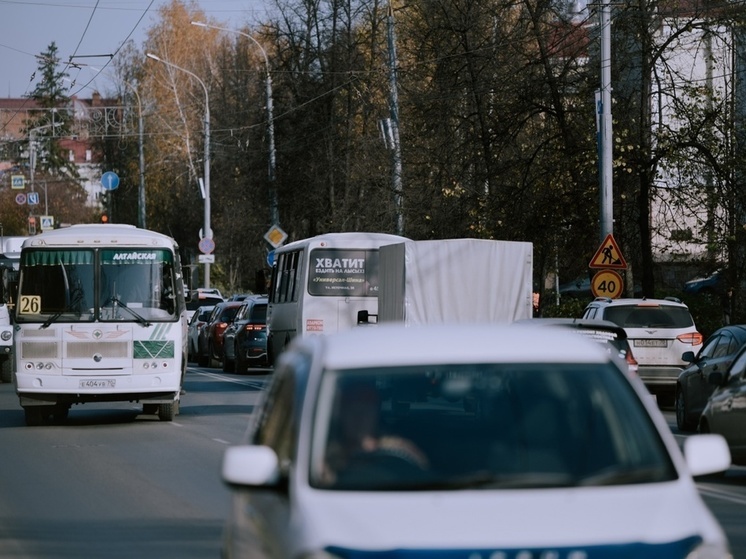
455 280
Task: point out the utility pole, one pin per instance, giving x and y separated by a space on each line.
606 170
394 110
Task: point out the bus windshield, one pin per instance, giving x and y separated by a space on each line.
86 285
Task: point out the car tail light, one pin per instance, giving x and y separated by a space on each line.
253 327
631 362
693 338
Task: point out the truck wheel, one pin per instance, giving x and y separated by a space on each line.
167 412
149 409
35 415
60 413
6 374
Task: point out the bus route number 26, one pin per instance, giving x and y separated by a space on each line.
30 304
607 283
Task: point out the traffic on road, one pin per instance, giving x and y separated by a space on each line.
115 482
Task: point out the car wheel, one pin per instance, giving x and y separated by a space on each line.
682 421
6 373
241 366
228 365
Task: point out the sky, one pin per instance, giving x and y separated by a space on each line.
83 28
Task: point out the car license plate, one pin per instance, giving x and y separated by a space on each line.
651 343
97 383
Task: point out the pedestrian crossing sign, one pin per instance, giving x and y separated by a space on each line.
608 256
47 222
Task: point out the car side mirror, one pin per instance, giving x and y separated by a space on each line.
688 356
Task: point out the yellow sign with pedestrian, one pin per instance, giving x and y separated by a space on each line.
608 255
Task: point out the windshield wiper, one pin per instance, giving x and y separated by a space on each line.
74 306
120 305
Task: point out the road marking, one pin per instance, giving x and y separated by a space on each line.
251 383
721 494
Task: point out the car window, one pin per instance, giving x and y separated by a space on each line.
259 312
633 316
723 346
708 350
738 367
228 314
490 426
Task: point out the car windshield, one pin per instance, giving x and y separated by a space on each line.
483 426
634 316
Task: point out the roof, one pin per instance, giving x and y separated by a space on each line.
395 344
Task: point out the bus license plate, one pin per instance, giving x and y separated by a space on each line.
97 383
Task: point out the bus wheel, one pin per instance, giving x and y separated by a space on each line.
149 409
5 370
167 412
34 415
60 412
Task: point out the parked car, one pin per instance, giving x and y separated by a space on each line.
659 331
196 323
693 388
725 411
712 283
605 332
348 457
245 340
202 297
211 336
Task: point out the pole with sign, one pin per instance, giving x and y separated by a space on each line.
608 258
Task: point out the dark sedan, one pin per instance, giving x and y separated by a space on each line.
693 387
245 341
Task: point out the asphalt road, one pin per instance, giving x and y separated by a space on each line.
113 482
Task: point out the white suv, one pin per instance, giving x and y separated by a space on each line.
659 331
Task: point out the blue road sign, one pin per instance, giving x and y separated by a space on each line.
32 198
110 180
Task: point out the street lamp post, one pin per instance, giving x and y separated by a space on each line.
274 211
207 232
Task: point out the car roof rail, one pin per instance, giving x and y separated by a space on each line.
672 299
605 299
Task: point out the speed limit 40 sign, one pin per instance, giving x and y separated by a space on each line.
607 283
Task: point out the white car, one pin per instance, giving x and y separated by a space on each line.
659 332
475 441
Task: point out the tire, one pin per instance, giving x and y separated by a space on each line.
203 360
229 365
167 412
6 371
60 413
241 367
682 421
150 409
35 415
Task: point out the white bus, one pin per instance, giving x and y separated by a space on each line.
100 317
319 285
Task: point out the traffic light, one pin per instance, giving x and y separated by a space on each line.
104 218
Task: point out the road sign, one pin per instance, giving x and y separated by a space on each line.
607 283
275 236
20 198
17 181
110 180
47 222
32 198
206 258
206 246
608 256
271 258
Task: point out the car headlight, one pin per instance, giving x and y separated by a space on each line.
710 551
